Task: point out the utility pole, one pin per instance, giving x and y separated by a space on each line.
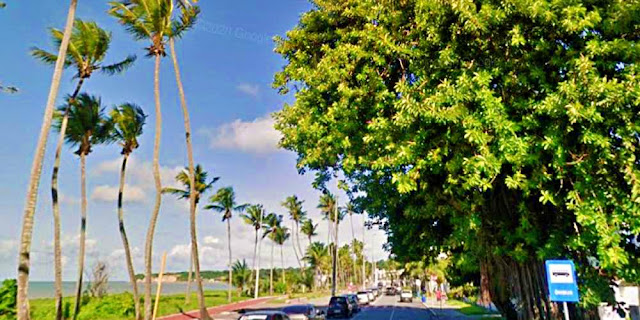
257 289
364 261
335 251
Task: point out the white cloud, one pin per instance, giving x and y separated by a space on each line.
106 193
249 89
257 136
211 240
139 177
70 200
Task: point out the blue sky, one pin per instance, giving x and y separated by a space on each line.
227 65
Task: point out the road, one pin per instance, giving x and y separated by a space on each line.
390 308
385 308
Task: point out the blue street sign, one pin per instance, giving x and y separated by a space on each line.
562 280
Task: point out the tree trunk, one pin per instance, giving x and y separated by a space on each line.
57 255
364 261
299 244
485 295
230 260
257 291
284 274
293 243
187 298
24 258
254 271
204 315
125 241
83 232
353 241
271 273
148 248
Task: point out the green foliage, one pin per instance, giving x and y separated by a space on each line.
507 131
8 293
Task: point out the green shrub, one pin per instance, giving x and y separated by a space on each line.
8 293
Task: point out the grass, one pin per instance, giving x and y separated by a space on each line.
120 306
468 309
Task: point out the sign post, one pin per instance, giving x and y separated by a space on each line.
562 283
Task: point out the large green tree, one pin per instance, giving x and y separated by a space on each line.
507 130
87 50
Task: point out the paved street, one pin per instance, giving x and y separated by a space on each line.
385 308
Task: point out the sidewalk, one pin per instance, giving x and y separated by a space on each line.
195 314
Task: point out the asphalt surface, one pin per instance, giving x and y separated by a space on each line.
384 308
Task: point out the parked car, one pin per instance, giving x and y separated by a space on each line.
390 291
264 315
372 297
363 298
406 296
376 291
353 299
339 307
303 312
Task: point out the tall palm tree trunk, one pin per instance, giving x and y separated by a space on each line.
353 240
254 270
257 290
57 255
125 240
148 248
273 244
24 258
364 266
204 315
293 243
187 298
230 261
83 232
300 245
284 274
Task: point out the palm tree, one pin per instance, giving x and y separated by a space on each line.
327 206
88 48
294 206
26 235
317 255
241 274
202 186
225 201
309 229
153 20
281 236
254 217
271 223
188 17
88 126
128 120
350 210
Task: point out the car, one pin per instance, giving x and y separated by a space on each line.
303 312
406 296
390 291
372 297
353 299
339 307
363 298
265 315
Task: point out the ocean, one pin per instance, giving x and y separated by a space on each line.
44 289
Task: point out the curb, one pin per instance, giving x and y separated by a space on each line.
194 314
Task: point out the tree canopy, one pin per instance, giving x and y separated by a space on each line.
503 131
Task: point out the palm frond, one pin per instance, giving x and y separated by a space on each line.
214 207
119 67
181 194
47 57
